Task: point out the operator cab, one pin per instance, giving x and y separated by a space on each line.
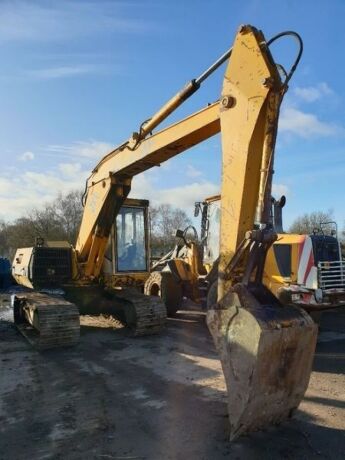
128 248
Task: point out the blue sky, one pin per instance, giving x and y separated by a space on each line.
79 76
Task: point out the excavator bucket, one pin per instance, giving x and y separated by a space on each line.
266 354
266 349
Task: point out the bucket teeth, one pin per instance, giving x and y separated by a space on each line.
266 354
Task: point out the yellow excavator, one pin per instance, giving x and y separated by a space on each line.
266 350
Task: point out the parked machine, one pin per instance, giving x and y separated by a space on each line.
303 270
192 265
266 349
307 270
50 321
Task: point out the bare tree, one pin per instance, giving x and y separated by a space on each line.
68 211
308 223
3 239
165 220
57 220
60 219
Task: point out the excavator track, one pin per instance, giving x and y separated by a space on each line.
145 315
46 321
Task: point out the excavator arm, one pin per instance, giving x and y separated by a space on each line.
110 182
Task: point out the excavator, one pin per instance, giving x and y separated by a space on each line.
266 350
48 320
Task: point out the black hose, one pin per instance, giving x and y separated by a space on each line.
300 51
83 197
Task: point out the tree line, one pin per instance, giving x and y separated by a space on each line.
59 220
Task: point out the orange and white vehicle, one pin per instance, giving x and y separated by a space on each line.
304 270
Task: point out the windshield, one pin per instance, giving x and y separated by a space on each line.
326 248
212 244
131 243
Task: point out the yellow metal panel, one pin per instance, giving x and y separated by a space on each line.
272 276
95 200
161 146
243 127
20 266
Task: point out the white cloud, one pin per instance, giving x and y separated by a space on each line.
307 125
92 149
36 188
186 195
27 156
5 186
25 20
51 181
183 196
192 172
279 189
61 72
70 169
33 189
313 93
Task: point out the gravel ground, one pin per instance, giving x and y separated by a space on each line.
162 397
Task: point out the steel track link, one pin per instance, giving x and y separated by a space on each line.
56 320
150 313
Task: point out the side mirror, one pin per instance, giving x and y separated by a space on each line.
179 234
196 209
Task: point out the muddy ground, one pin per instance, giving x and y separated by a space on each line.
117 397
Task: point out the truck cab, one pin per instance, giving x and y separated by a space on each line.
307 270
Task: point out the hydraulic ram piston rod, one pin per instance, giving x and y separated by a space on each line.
190 88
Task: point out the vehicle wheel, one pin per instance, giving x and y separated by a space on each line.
212 295
164 285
